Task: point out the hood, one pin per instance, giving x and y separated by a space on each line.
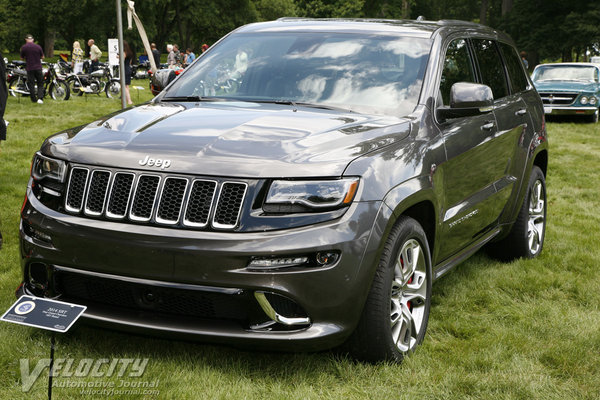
228 139
566 86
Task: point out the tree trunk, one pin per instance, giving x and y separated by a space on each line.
405 9
483 12
506 6
49 39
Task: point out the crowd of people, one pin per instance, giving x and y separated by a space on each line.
33 55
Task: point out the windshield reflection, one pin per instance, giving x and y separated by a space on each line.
372 74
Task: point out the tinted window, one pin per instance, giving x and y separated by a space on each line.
490 66
518 80
364 73
457 68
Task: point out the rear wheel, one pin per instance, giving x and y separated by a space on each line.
526 237
60 91
395 316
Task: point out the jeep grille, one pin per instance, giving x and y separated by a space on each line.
155 198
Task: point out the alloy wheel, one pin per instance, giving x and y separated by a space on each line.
537 217
408 296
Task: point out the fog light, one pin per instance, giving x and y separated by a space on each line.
275 263
327 258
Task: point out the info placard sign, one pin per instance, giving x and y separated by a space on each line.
42 313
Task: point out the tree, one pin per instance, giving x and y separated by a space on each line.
272 9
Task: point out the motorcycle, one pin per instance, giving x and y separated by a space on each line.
53 83
85 83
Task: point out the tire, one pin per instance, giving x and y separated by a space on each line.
395 315
60 91
18 85
113 89
526 238
74 86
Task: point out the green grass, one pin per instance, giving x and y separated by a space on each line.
529 329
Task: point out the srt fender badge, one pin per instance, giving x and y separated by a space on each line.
155 162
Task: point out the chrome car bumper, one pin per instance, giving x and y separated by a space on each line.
568 110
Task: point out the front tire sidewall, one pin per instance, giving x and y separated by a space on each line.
373 340
410 229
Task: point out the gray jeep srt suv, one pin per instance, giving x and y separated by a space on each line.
299 186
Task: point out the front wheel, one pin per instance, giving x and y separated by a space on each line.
59 90
526 237
395 316
17 87
113 89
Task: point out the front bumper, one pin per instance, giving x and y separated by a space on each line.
568 110
193 263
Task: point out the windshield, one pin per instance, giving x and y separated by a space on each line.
362 73
566 73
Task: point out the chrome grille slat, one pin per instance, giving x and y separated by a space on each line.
200 203
120 193
76 189
155 198
97 192
229 205
144 198
171 200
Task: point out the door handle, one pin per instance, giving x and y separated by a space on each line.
521 112
488 126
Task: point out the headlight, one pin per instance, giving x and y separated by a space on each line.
583 100
44 167
299 196
593 100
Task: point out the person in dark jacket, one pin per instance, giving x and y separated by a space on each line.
3 98
33 54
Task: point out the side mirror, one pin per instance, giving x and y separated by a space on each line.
467 99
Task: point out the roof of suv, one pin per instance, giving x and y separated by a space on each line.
382 26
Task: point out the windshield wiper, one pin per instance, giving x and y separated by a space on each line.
295 104
182 98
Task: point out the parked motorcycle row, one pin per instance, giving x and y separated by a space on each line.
60 82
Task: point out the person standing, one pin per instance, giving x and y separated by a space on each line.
77 58
524 59
177 53
171 59
33 54
129 56
3 98
189 56
155 54
95 55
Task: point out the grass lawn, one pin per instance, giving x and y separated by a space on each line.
529 329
